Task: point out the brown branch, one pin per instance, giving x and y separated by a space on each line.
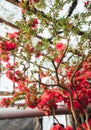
72 77
48 85
64 53
73 6
58 80
87 118
15 2
53 111
8 23
56 72
5 93
73 111
37 12
35 63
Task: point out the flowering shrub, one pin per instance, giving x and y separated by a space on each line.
53 68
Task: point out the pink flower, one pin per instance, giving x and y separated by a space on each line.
60 46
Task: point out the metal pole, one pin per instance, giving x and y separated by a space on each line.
10 113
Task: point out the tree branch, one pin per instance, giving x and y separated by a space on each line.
71 9
48 85
15 2
8 23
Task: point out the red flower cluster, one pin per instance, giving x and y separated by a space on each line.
7 46
82 92
49 99
31 100
10 45
15 75
59 127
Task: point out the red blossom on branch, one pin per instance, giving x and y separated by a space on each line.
60 46
10 45
49 100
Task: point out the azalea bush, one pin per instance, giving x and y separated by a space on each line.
49 59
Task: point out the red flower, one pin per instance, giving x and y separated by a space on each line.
8 65
31 48
60 46
90 121
83 126
58 58
23 10
18 72
68 128
38 55
35 22
10 45
49 100
57 127
31 101
5 102
12 35
86 2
